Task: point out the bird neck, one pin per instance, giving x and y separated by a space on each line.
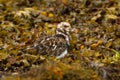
64 34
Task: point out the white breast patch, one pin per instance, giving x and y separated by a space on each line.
62 54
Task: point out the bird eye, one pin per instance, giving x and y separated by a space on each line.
66 26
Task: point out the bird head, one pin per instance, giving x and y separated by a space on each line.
64 27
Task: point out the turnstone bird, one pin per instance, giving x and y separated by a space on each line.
56 45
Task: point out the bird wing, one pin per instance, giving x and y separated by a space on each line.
52 46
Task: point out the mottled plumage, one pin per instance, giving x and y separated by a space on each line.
56 45
52 46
